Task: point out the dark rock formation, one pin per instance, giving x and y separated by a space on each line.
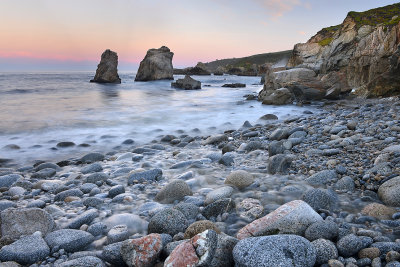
187 83
199 69
234 85
107 71
157 65
363 50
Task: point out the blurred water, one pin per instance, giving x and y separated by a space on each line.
38 110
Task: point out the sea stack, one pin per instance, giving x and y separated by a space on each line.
156 65
107 70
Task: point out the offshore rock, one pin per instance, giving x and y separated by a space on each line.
107 71
187 83
157 65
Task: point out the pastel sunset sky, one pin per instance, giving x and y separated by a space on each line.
72 34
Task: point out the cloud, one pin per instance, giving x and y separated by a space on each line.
279 7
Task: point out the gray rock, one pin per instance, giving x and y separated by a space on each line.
68 193
217 194
92 202
36 204
85 218
168 221
9 180
345 184
5 204
117 233
27 250
16 191
389 192
187 83
157 65
218 207
321 199
112 254
47 165
18 222
269 117
279 134
322 177
87 187
116 190
223 253
94 167
275 250
253 145
240 179
92 157
278 147
349 245
298 134
44 173
188 209
97 229
175 190
94 178
227 159
279 163
323 229
145 176
87 261
69 239
325 250
107 70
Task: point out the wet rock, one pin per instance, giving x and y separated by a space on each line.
168 221
187 83
250 209
68 193
217 194
107 70
227 159
69 239
269 117
44 173
350 245
112 254
279 134
18 222
240 179
27 250
234 85
279 163
145 176
278 147
370 253
94 167
9 180
322 229
324 250
175 190
92 157
388 192
190 210
321 199
142 251
379 211
157 65
65 144
87 261
218 207
322 177
291 218
94 178
199 227
92 202
85 218
97 229
223 253
47 165
215 139
280 96
117 233
275 250
116 190
345 184
198 251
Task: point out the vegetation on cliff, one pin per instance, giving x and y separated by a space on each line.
387 15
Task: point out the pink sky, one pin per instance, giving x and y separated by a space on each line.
206 30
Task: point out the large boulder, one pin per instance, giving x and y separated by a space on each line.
187 83
281 96
18 222
199 69
157 65
107 71
275 250
291 218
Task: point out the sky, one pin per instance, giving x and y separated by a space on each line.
72 34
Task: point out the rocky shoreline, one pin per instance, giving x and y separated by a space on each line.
315 189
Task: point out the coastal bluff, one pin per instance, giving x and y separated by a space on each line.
156 65
107 70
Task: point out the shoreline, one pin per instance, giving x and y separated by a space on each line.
337 167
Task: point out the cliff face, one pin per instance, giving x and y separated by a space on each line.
362 48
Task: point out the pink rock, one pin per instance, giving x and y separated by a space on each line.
198 251
291 218
142 252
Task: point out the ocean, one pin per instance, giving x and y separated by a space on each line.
39 110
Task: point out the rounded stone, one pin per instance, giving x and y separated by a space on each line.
275 250
168 221
320 198
175 190
370 253
217 194
323 229
345 184
199 227
190 210
241 179
379 211
325 250
69 239
389 192
349 245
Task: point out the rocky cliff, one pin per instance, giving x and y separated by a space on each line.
364 49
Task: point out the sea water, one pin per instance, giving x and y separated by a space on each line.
39 110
